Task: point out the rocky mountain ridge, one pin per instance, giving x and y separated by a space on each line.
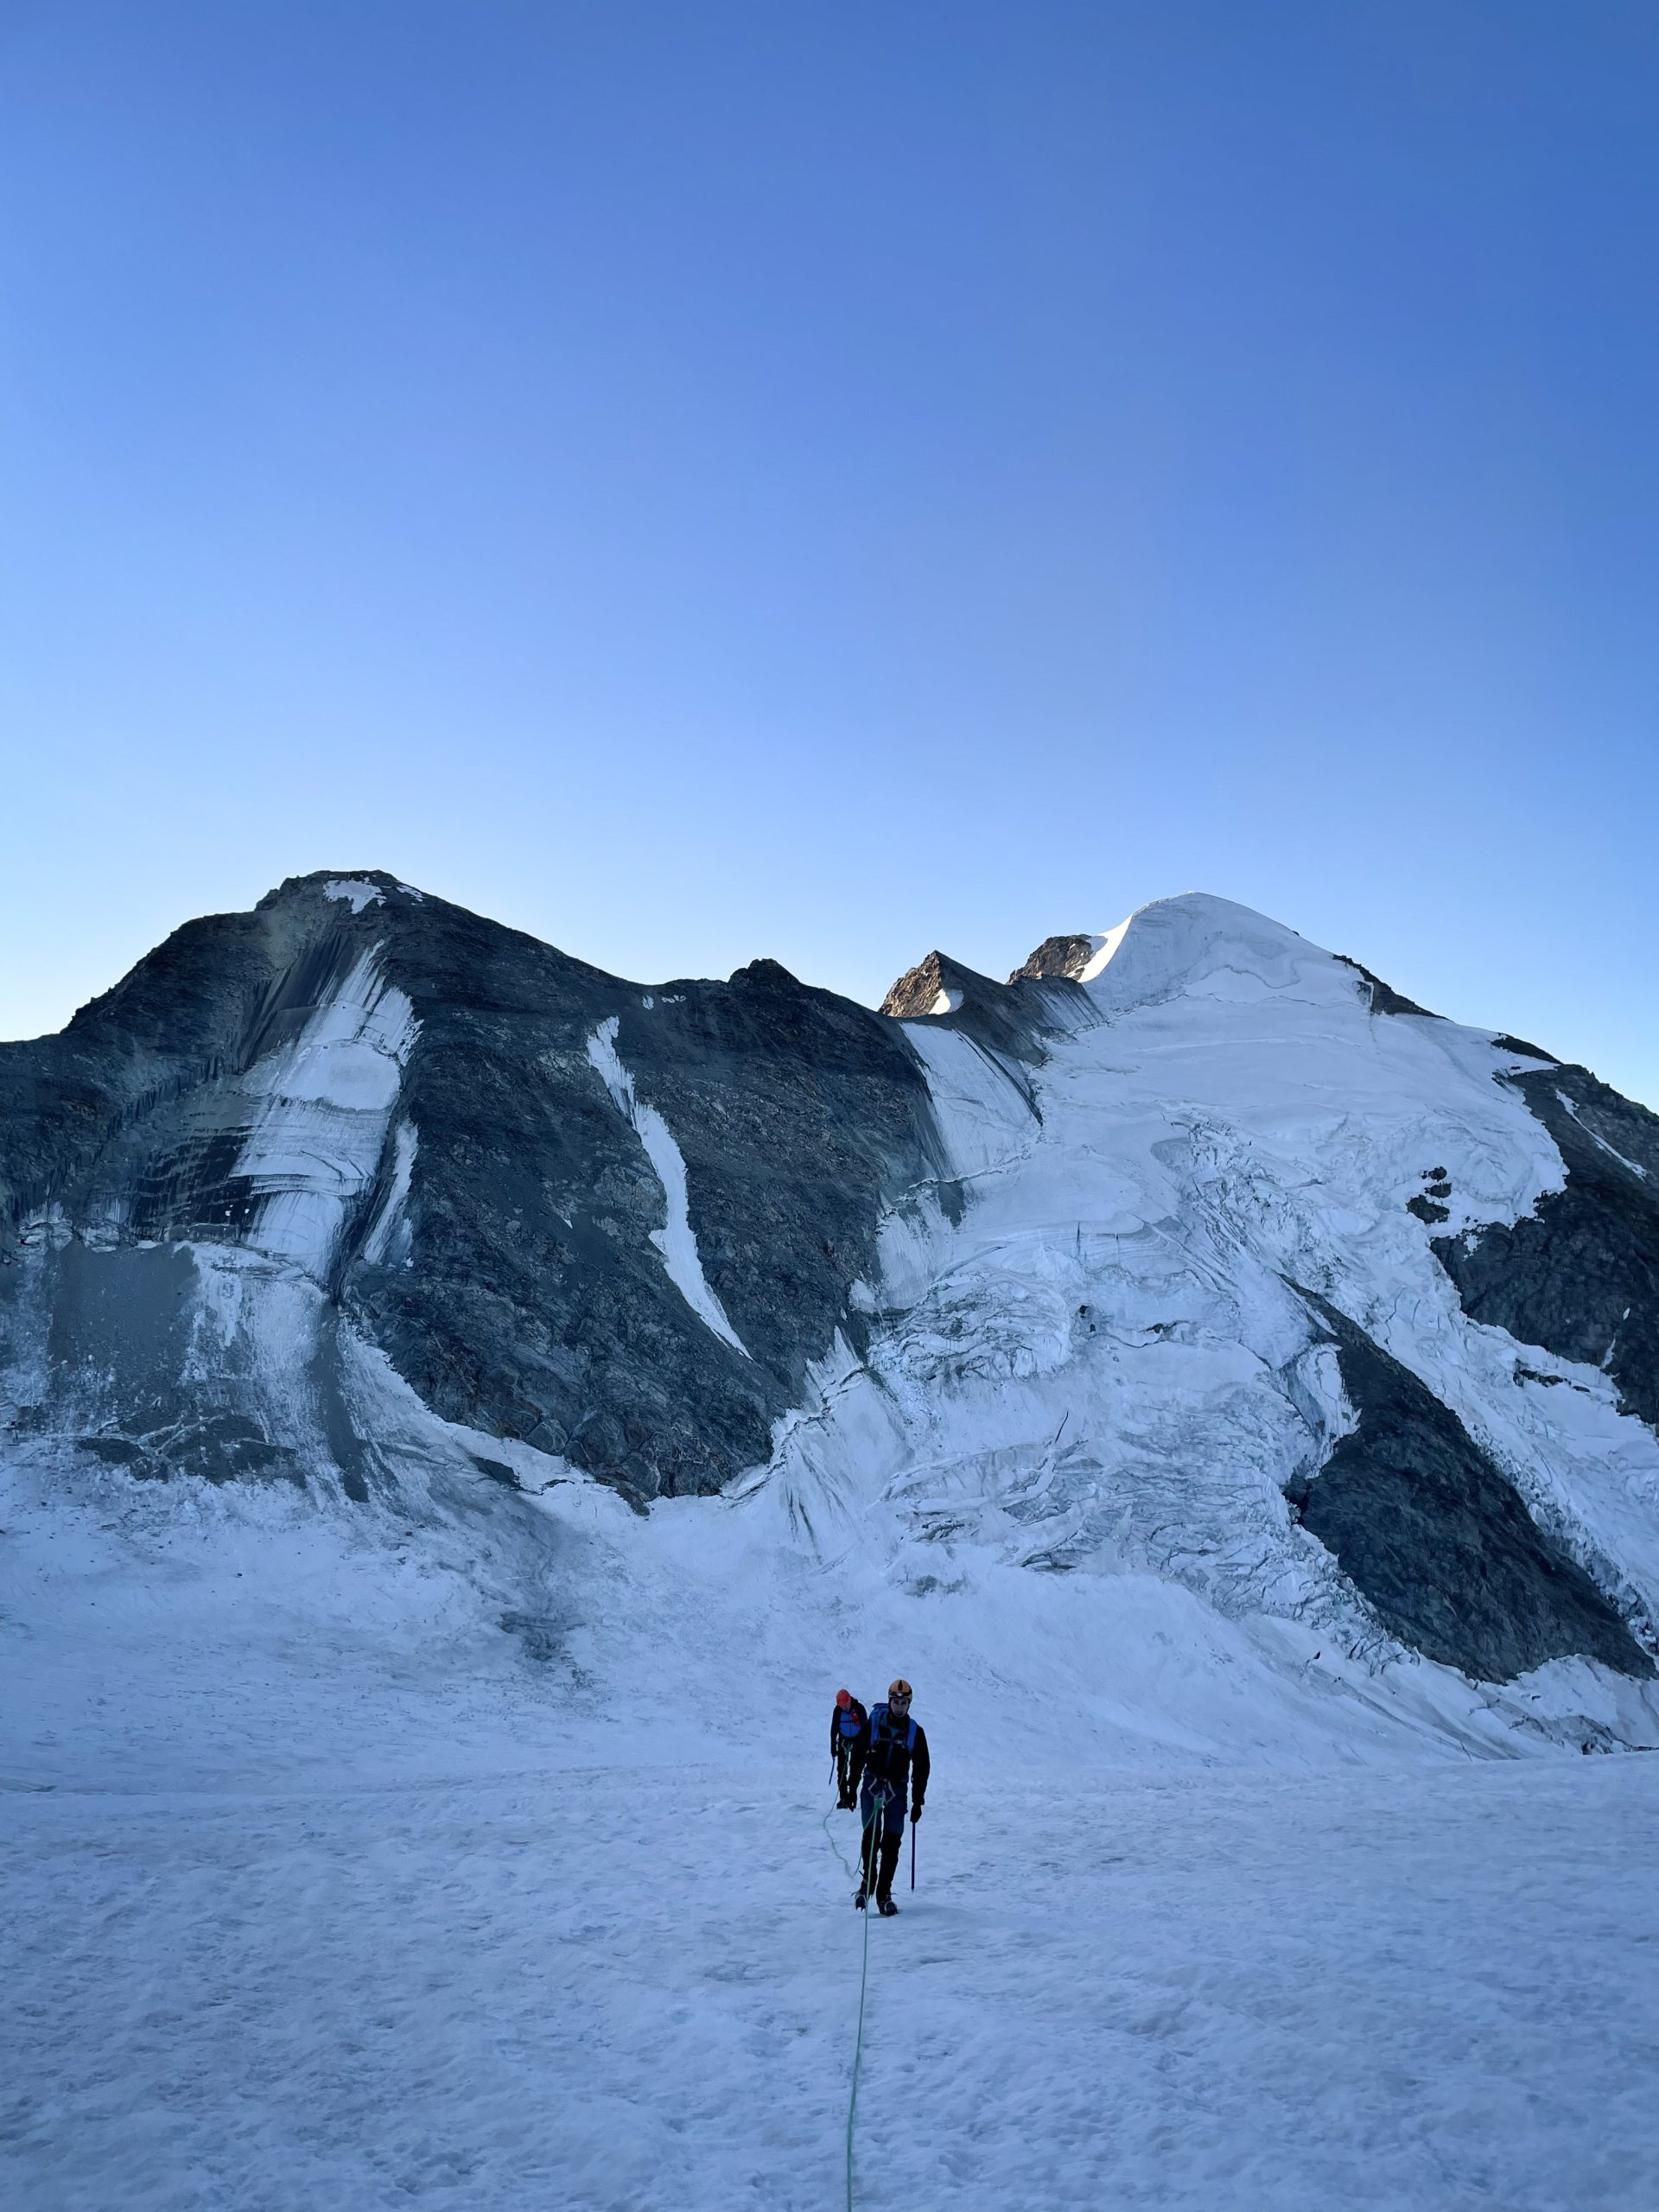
1190 1253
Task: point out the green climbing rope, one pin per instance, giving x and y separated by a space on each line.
866 1836
829 1839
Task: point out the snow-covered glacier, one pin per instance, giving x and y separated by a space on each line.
1190 1324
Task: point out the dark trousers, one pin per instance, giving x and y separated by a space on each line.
884 1825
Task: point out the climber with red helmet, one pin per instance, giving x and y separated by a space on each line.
847 1717
889 1752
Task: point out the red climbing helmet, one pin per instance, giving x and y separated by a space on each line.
843 1699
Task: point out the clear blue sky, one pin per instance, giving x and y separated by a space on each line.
701 479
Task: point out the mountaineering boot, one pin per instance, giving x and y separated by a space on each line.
885 1904
860 1896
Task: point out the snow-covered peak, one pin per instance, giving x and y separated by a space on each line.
1199 946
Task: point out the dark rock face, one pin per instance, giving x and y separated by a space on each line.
1438 1540
1008 1019
539 1307
1057 958
1426 1204
182 1015
917 991
1382 997
524 1291
1581 1274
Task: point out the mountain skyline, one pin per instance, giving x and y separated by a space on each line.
872 993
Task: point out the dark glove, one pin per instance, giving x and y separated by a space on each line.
915 1815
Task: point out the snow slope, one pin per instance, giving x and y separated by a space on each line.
1103 1364
321 1884
616 1989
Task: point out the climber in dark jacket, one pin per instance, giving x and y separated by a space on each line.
889 1753
847 1717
